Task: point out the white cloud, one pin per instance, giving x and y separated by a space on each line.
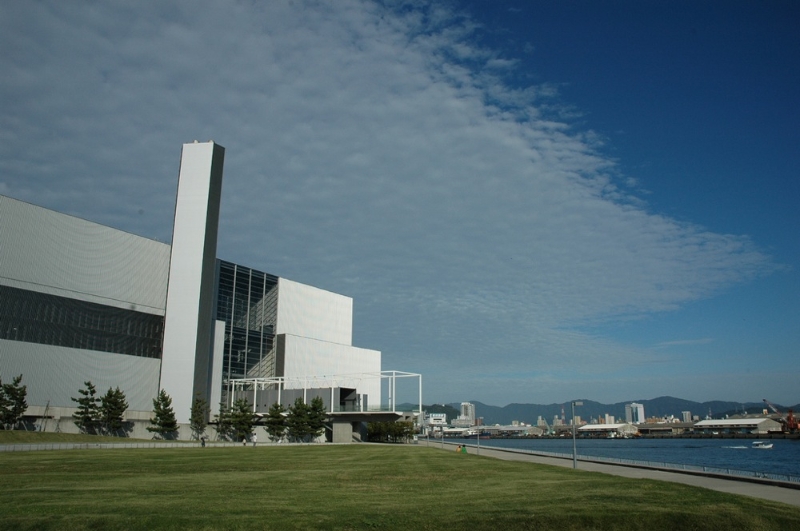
368 153
684 342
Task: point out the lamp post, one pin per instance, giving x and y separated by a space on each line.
574 447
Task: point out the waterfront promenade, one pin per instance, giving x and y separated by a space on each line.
763 490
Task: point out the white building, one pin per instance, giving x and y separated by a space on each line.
634 413
436 419
468 411
467 416
83 302
608 430
759 426
513 430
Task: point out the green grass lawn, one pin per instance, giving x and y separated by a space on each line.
348 487
35 437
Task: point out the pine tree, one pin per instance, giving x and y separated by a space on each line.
297 426
242 419
316 417
112 410
5 407
198 417
276 421
88 408
163 422
223 420
12 402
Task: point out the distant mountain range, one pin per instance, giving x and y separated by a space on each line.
657 407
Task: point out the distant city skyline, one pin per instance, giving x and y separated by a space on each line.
676 409
528 202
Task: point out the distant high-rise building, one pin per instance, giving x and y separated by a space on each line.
609 419
634 413
687 416
468 411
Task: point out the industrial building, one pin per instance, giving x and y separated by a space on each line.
83 302
608 430
665 429
757 426
510 430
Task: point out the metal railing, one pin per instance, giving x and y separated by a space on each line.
697 469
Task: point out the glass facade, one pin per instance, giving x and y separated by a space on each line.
247 301
34 317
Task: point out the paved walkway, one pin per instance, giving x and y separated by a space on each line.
765 491
34 447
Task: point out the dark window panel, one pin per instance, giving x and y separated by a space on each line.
48 319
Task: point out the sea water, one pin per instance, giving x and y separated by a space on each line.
735 454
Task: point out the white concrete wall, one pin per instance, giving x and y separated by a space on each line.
215 396
57 254
314 361
49 252
314 313
188 326
55 374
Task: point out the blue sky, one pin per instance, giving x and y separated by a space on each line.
528 201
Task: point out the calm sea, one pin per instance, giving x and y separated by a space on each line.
736 454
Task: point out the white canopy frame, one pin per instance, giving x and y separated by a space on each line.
332 381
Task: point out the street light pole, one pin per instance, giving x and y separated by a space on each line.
574 446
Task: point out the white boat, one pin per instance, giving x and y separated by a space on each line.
762 445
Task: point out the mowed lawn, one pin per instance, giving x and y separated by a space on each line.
347 487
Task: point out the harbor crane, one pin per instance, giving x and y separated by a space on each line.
788 421
548 430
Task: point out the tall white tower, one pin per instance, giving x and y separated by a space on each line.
188 326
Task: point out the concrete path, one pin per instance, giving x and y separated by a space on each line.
764 491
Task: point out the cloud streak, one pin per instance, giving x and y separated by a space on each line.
372 151
682 342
